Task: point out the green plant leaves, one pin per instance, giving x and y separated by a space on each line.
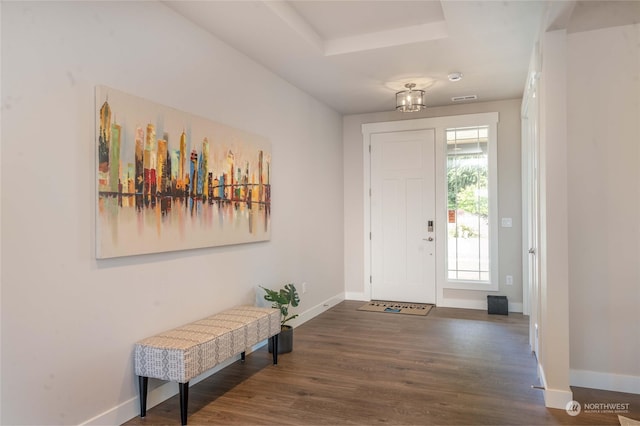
291 294
282 299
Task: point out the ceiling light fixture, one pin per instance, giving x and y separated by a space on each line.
455 76
410 100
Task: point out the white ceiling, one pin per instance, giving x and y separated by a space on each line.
354 55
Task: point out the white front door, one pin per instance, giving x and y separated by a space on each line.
403 257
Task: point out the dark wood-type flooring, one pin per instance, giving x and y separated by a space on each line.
452 367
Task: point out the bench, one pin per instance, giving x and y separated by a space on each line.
183 353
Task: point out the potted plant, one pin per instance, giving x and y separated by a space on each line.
283 299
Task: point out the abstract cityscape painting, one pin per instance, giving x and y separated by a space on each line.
168 180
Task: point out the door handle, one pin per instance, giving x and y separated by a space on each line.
532 251
428 239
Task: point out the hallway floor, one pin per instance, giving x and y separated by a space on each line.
348 367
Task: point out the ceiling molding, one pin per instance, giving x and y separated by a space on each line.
296 22
387 38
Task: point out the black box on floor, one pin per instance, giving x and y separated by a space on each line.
498 305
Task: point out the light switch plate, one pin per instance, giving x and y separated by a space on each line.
507 222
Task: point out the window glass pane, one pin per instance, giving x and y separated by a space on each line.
468 204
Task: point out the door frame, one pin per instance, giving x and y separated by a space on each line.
531 273
438 124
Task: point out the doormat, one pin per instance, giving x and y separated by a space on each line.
397 307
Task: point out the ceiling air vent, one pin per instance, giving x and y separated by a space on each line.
464 98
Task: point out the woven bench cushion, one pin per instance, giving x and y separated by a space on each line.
183 353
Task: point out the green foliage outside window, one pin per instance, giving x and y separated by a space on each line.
467 183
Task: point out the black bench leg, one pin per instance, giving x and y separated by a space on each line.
142 383
184 401
274 345
243 355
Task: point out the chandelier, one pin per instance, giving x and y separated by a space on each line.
410 100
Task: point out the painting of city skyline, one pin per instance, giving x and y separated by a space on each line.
168 180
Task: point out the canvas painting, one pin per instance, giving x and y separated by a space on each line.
169 180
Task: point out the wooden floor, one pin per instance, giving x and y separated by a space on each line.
452 367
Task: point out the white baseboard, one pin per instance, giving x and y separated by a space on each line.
356 295
557 398
554 398
129 409
462 303
317 310
515 307
605 381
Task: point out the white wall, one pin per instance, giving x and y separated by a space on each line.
509 205
68 321
553 318
604 207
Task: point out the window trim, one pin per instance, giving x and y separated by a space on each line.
492 158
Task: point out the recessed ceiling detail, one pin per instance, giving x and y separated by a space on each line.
327 35
341 19
291 17
388 38
345 52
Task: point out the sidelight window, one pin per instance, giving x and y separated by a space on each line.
470 186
